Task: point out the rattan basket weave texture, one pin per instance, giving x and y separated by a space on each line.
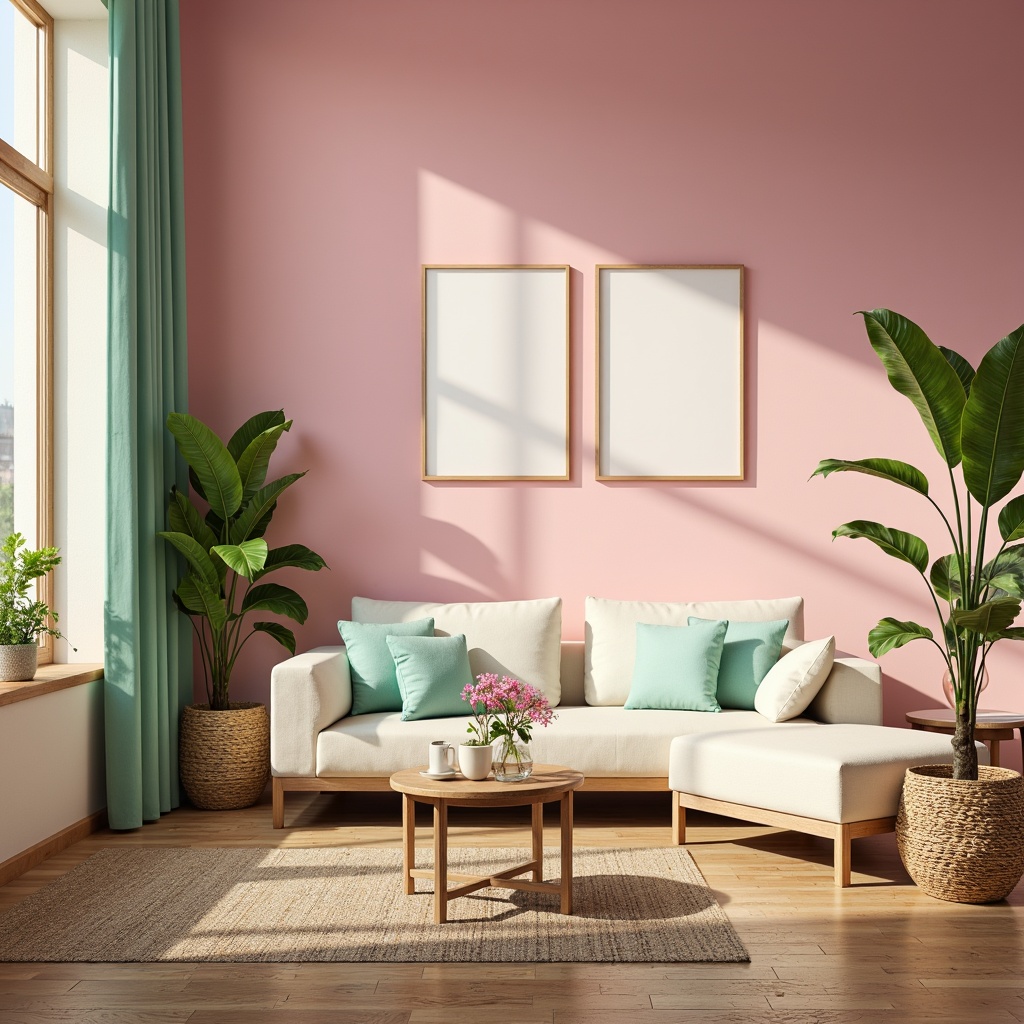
224 755
961 840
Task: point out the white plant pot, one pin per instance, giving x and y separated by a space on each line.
475 762
18 662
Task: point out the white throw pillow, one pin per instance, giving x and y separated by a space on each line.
794 680
610 649
512 638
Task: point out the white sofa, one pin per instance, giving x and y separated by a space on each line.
317 745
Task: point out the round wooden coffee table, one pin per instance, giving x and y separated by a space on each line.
991 726
548 782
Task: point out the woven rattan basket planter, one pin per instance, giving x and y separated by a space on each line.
224 755
962 841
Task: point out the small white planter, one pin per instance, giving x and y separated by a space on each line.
475 762
18 662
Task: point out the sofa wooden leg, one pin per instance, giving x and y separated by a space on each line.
678 820
841 856
278 798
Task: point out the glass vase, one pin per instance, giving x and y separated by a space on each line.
947 686
513 761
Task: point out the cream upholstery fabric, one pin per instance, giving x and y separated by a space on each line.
794 680
307 693
596 741
835 773
611 634
513 638
852 693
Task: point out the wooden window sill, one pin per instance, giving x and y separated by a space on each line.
49 678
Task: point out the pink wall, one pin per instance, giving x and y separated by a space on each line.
850 154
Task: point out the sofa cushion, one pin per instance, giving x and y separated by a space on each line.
750 650
599 742
610 646
511 638
432 673
374 682
794 680
677 667
837 773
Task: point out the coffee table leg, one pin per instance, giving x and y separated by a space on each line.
538 841
440 861
566 821
408 842
993 753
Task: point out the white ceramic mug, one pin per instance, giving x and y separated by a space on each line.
442 758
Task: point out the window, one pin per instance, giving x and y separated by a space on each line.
26 277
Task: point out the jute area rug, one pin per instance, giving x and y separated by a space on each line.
346 904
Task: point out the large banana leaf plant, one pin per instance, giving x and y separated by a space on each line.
975 418
225 549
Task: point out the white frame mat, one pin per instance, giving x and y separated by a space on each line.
670 390
495 372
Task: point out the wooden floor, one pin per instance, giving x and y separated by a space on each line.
880 951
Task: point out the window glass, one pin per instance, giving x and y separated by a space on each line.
19 311
20 91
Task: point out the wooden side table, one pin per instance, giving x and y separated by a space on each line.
992 727
546 784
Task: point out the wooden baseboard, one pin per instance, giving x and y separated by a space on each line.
21 862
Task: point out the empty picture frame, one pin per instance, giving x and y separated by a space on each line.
495 372
670 372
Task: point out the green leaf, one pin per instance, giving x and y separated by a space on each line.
901 473
904 546
892 633
246 559
917 369
297 555
963 369
197 557
252 428
993 422
1006 585
272 597
254 462
945 577
212 462
183 517
255 517
1011 520
282 634
991 617
195 595
1013 633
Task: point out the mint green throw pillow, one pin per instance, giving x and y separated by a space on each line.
432 673
676 667
374 681
751 648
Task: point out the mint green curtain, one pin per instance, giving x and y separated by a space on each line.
148 644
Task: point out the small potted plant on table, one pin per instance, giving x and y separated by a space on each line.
22 619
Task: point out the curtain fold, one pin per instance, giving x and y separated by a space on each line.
148 643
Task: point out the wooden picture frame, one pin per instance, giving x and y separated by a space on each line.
495 372
669 380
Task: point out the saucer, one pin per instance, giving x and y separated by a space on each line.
437 776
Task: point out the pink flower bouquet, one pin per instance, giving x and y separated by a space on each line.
505 710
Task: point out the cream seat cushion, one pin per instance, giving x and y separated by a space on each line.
837 773
610 647
512 638
596 741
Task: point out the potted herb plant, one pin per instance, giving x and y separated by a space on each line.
961 827
225 745
22 619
